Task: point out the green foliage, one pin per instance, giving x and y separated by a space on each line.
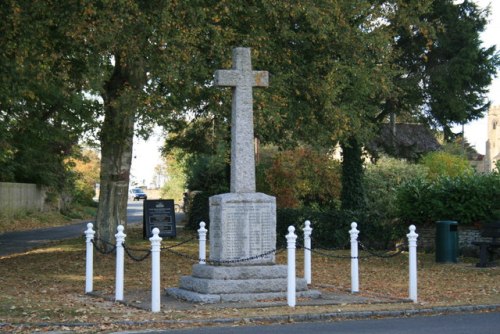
381 182
446 164
176 183
209 172
456 53
198 210
497 167
304 177
436 40
466 199
86 167
331 228
83 194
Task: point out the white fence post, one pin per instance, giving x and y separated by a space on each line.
412 244
202 243
307 251
354 258
291 237
155 270
120 262
89 263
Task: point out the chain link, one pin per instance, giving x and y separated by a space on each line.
186 256
371 252
138 259
251 258
221 262
179 244
385 255
104 251
325 254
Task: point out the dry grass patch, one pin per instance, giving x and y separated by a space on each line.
46 285
28 220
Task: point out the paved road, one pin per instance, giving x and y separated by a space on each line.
479 323
18 242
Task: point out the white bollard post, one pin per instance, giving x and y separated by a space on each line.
354 258
155 270
307 251
291 237
89 263
202 242
412 245
120 263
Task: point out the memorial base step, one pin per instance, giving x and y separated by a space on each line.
215 284
196 297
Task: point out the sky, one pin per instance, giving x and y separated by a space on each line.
146 156
147 153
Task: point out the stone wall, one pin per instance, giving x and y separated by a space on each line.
466 235
21 196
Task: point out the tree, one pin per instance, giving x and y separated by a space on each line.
458 70
333 63
352 195
443 72
42 109
153 61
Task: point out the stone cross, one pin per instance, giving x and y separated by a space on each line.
242 79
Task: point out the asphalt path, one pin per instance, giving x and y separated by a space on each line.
19 242
474 323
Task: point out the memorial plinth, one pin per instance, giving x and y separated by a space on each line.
243 226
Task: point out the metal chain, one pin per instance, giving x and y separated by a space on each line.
371 252
386 255
325 254
179 244
189 257
103 251
138 259
251 258
217 262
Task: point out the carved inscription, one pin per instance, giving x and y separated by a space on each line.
246 230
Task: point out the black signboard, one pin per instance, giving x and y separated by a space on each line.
159 213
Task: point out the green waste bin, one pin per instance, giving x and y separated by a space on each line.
446 241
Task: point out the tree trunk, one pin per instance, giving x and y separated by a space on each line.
352 195
120 102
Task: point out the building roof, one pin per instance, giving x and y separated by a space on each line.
409 141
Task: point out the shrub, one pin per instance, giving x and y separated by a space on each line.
446 164
209 172
381 182
331 228
303 177
198 210
466 199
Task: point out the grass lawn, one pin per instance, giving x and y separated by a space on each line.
46 285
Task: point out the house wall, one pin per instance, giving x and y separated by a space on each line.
493 143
